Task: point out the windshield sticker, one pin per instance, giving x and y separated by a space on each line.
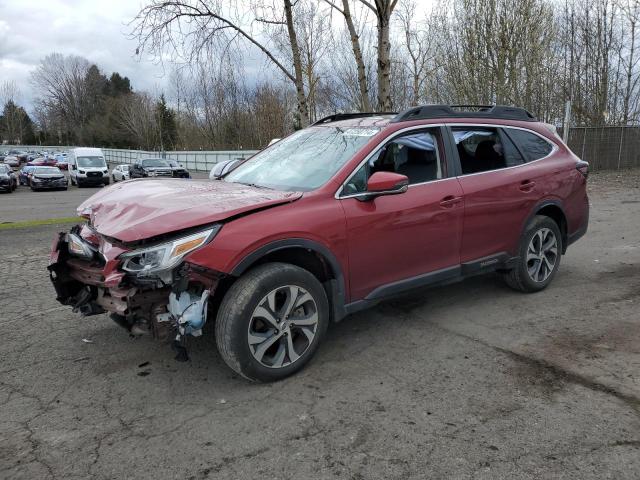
360 132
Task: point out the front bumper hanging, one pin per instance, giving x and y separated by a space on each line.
170 307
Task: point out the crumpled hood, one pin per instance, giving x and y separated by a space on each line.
139 209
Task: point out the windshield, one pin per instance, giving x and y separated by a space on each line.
125 168
154 162
47 171
91 162
304 160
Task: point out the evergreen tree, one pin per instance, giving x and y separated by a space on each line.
119 85
168 130
15 124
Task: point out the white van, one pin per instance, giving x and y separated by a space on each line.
87 166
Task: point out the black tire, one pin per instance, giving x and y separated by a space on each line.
519 277
237 308
113 177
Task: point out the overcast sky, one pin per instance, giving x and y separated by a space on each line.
96 30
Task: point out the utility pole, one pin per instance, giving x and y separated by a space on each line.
567 120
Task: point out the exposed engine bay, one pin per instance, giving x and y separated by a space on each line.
148 291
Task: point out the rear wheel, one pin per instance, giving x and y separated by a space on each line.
538 257
271 321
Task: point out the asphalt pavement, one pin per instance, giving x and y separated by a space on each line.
468 381
26 205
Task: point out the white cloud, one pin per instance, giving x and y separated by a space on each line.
96 30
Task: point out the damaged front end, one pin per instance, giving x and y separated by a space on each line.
148 290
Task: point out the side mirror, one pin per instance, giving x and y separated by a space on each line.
222 168
73 167
385 183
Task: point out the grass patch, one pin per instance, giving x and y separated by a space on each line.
36 223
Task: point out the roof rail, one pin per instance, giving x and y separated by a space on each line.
502 112
336 117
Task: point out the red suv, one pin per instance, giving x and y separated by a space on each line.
333 219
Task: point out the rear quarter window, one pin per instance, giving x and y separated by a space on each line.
531 145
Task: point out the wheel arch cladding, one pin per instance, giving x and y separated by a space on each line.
306 254
554 211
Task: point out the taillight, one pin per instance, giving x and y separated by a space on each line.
583 167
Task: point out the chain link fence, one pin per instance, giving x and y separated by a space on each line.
198 161
605 148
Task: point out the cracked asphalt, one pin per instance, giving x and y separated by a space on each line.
468 381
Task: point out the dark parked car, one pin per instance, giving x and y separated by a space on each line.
24 175
8 179
351 211
48 178
178 170
23 157
150 167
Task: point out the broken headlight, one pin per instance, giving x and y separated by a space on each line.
78 247
166 255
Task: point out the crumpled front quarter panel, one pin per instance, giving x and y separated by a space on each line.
313 218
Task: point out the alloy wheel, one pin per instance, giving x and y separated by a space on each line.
282 326
542 255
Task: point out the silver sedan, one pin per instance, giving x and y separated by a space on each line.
120 172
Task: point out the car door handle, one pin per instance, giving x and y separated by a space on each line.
527 185
449 201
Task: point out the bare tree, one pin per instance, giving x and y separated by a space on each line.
345 10
9 91
60 82
138 120
630 61
419 46
198 27
383 10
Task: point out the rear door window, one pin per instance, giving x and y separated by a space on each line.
533 146
512 157
480 149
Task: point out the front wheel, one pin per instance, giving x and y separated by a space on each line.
538 257
271 321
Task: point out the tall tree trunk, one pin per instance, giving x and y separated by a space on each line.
628 87
383 10
365 104
303 110
384 64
